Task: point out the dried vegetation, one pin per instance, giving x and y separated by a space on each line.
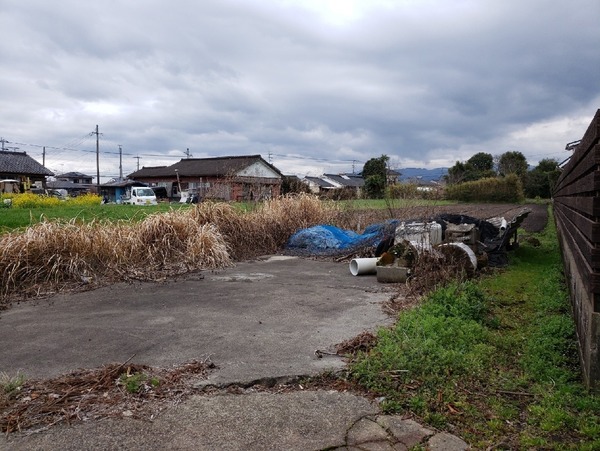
57 255
113 390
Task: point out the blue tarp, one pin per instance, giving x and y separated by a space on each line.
325 238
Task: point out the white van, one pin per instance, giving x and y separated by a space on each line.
140 195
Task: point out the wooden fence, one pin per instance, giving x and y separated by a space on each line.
577 215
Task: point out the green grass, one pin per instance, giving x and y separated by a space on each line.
10 385
19 218
493 360
136 382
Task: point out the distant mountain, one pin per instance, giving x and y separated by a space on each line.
422 174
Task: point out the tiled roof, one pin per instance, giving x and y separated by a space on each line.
346 180
68 185
153 171
204 167
72 175
21 163
124 183
319 182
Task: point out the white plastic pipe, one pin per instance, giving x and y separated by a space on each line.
360 266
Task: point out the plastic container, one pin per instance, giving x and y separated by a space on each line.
425 233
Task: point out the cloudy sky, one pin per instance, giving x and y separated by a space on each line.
312 85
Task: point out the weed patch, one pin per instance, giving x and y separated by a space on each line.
493 360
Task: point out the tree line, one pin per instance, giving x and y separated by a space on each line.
537 182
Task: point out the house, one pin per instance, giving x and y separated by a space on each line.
76 178
317 185
238 178
329 183
69 188
350 182
21 167
73 183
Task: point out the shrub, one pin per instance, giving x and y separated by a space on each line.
403 191
497 189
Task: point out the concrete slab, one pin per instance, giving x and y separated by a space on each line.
262 421
260 319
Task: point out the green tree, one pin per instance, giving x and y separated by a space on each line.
540 181
512 162
456 174
482 162
292 184
375 175
479 166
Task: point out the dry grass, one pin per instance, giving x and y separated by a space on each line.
267 229
54 255
98 393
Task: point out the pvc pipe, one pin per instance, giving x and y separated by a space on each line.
360 266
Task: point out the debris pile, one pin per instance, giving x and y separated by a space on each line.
397 247
462 241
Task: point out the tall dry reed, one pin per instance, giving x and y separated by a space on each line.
52 254
266 229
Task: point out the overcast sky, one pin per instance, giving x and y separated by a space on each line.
313 86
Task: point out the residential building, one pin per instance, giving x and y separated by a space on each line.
25 170
238 178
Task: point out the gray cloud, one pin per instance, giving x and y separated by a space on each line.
427 83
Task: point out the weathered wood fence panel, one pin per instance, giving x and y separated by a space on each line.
577 216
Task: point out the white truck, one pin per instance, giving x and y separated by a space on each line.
140 195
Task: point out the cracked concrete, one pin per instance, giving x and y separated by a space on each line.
259 320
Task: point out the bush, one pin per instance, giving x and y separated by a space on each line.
497 189
403 191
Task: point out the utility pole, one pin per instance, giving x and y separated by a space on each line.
97 158
187 153
3 141
138 162
44 156
120 163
